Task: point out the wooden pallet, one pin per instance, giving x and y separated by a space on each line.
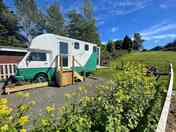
12 88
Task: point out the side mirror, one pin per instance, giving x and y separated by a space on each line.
28 60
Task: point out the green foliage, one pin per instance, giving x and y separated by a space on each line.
83 26
127 43
31 20
88 10
8 28
138 41
117 105
55 20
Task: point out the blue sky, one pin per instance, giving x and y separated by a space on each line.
154 19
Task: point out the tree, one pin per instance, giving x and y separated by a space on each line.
76 25
118 44
138 41
83 26
90 29
55 20
88 10
127 43
30 19
8 28
110 46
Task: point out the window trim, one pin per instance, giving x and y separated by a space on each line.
77 44
37 53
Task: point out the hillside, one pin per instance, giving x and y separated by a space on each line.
161 60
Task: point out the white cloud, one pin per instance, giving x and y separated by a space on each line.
159 29
114 29
120 7
164 6
163 36
168 4
100 22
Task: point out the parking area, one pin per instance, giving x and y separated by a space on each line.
51 95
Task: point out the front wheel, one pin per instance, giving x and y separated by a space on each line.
41 78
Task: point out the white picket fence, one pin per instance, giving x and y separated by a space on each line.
6 70
164 114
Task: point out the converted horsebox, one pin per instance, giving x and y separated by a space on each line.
49 53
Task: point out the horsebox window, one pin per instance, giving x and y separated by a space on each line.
37 56
76 45
94 49
86 47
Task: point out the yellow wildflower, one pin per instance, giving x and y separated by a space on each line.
3 101
4 128
24 107
44 122
23 130
50 109
5 110
23 120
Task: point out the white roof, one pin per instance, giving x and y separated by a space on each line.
60 38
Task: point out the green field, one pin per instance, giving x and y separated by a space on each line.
160 59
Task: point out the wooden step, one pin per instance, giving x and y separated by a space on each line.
78 76
12 88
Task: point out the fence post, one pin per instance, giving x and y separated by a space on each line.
164 114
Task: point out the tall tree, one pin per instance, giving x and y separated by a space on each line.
88 10
127 43
137 41
29 17
118 44
109 46
90 31
8 28
55 20
83 26
76 25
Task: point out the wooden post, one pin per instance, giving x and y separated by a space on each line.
73 66
61 63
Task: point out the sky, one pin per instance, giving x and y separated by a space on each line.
154 19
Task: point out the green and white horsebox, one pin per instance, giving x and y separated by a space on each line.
43 58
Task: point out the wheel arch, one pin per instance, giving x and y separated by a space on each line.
41 73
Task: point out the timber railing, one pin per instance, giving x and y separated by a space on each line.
164 114
6 70
73 60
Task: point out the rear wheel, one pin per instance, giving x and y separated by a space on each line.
41 78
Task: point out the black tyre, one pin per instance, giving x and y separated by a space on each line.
41 78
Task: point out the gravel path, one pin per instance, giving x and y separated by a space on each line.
51 95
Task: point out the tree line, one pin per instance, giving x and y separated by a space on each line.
117 48
29 21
